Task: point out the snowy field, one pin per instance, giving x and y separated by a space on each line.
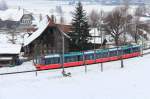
49 7
131 82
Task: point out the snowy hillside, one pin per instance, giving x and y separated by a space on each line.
49 7
131 82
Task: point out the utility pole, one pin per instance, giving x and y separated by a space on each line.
94 45
63 50
84 62
142 47
101 43
122 65
63 35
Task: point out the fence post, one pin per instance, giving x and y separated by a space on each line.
35 73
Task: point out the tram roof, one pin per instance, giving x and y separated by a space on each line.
52 55
73 54
89 52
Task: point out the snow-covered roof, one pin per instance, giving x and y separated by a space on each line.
52 56
144 19
10 48
97 39
42 26
11 14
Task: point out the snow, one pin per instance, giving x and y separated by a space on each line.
9 48
26 66
48 7
11 14
5 58
54 55
144 19
130 82
42 26
3 38
3 5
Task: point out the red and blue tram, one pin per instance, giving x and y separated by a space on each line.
73 59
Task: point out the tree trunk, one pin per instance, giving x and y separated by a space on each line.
136 39
116 40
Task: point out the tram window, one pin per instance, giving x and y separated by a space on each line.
127 51
104 54
48 61
70 59
120 52
80 58
98 55
136 49
73 58
89 57
66 59
52 61
55 60
112 53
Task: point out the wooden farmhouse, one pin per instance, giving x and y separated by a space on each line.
47 39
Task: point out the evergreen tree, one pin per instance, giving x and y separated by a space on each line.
80 31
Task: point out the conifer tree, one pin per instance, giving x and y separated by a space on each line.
80 30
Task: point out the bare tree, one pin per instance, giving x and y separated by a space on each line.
126 3
100 23
140 11
93 18
93 21
62 20
53 18
59 10
125 11
114 23
137 27
12 36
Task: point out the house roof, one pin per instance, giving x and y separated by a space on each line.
42 26
65 28
11 14
10 48
143 19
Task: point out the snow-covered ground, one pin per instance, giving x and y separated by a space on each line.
26 66
131 82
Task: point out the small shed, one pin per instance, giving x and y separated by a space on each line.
9 54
